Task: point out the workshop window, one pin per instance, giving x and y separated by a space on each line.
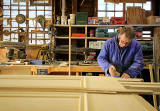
36 35
116 10
107 9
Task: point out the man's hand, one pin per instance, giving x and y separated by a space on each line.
112 70
125 75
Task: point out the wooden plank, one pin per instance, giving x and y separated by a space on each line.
156 55
69 72
74 6
152 80
15 70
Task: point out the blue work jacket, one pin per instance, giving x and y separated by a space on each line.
129 61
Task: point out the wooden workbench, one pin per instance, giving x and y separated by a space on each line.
32 69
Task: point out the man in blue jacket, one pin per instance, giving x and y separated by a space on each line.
122 53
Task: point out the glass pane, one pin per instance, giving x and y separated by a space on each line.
14 13
48 14
32 14
119 7
129 5
6 16
48 8
47 41
22 25
14 7
6 2
6 38
39 41
6 12
46 36
33 36
14 24
118 14
102 7
31 23
22 12
40 35
40 13
147 5
5 24
6 7
32 7
22 3
110 14
32 42
30 29
138 4
22 8
13 2
110 6
101 14
40 7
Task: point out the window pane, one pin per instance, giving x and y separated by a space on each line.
12 2
14 13
147 5
138 4
110 6
6 2
6 7
48 8
119 7
5 24
129 5
40 7
48 14
110 14
14 24
22 12
40 13
102 7
6 12
118 14
32 14
6 38
31 23
22 25
101 14
22 3
22 8
32 7
15 7
47 41
39 41
32 42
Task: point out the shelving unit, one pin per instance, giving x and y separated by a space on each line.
86 38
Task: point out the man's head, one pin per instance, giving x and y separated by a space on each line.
125 35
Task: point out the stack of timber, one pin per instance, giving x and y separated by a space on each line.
74 93
136 15
126 1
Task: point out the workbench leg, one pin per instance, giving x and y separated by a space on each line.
77 73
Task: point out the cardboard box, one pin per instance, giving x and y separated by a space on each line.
153 20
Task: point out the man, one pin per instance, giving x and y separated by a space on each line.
122 54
